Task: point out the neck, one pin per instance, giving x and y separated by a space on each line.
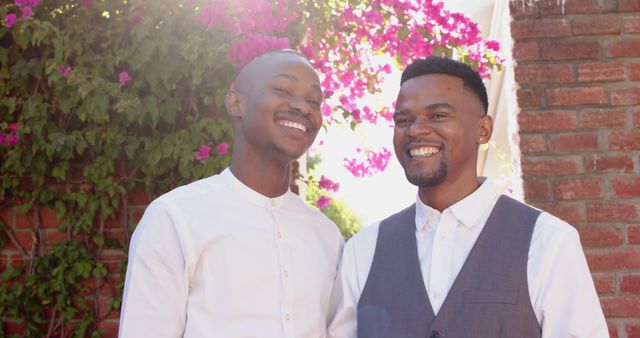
269 178
446 194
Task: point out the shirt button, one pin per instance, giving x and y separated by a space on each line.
435 334
279 235
286 273
287 316
438 295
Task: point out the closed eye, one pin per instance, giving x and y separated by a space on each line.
438 115
282 90
314 103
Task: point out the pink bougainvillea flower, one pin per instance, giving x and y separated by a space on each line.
12 139
26 11
64 70
323 202
25 3
13 127
124 78
3 136
87 3
243 51
493 45
202 153
328 184
222 148
136 16
10 20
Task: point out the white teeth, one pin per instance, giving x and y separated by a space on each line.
423 151
293 125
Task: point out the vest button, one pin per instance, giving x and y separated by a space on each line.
435 334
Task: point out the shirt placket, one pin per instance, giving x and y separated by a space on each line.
284 262
441 260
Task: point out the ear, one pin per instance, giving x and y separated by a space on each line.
232 103
485 128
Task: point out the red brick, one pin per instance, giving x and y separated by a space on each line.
536 189
114 234
549 166
138 196
596 25
569 50
6 217
48 218
608 163
603 118
613 330
108 328
612 211
630 284
633 331
633 234
52 237
613 259
568 7
23 221
621 307
521 9
625 96
631 24
624 48
624 140
111 260
577 188
573 142
569 212
532 143
547 120
636 119
634 71
548 73
604 283
601 72
26 239
526 51
529 97
626 187
540 28
576 96
593 235
628 5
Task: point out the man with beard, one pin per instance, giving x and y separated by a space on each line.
238 254
463 261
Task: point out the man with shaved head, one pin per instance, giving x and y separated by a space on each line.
238 254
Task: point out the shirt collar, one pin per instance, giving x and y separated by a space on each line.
251 195
467 211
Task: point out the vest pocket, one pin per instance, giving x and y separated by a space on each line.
490 296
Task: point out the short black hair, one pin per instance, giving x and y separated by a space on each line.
448 66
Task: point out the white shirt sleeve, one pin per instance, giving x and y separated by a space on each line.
156 286
352 276
564 297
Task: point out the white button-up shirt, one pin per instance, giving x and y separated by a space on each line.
560 286
216 259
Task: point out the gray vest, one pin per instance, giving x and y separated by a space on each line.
489 298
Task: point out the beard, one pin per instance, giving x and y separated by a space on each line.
429 179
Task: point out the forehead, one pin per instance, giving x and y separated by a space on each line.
290 66
436 86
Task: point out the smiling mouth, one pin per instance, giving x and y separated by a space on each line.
293 125
423 152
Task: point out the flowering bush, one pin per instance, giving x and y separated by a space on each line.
98 98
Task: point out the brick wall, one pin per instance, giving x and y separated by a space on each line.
578 71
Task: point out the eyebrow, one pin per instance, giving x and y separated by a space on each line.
430 107
294 78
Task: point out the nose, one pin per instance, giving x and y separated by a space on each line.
420 126
300 104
